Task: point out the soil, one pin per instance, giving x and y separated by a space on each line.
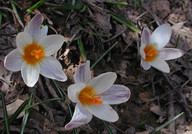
155 97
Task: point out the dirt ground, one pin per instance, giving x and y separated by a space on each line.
155 97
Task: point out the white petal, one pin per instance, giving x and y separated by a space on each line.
83 73
145 36
13 61
74 90
80 117
160 65
145 65
41 34
170 53
161 36
22 39
116 94
51 68
30 74
104 112
103 82
51 43
142 52
34 26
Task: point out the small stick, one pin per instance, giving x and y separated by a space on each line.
180 94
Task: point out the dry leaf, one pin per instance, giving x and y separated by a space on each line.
11 108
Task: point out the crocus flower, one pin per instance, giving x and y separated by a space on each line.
33 53
152 49
94 96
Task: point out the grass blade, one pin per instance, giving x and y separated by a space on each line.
69 6
69 108
44 101
1 16
19 110
58 89
81 48
125 22
138 2
117 3
5 113
16 13
107 127
26 115
99 35
36 5
165 124
94 64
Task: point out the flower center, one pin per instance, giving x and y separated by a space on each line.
87 97
33 53
150 53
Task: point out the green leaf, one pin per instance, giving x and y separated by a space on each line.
1 16
117 3
94 64
26 115
5 113
68 6
44 101
125 22
165 124
81 48
99 35
107 127
16 114
36 5
138 2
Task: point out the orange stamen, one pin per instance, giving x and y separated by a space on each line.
33 53
37 53
150 53
87 97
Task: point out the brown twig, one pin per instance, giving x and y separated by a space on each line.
54 94
180 95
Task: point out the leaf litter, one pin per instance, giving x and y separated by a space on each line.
151 92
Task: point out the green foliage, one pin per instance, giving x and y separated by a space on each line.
165 124
5 112
94 64
125 22
26 115
117 3
81 48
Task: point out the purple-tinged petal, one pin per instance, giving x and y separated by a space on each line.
145 65
161 36
51 44
51 68
30 74
103 112
145 36
33 28
74 90
116 94
13 61
80 117
102 82
170 53
160 65
83 73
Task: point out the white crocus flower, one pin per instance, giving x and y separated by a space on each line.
33 53
94 96
152 51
